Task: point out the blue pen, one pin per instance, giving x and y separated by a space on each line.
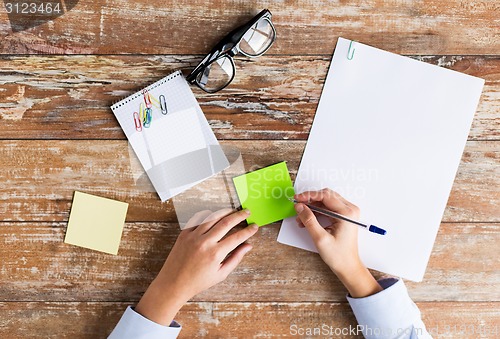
371 228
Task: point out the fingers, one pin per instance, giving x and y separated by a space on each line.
332 200
210 220
234 259
310 222
197 219
236 239
222 227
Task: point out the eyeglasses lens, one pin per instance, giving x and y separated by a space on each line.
216 75
258 38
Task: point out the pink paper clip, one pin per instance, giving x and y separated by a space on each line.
137 122
147 99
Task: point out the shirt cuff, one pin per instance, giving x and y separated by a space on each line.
388 313
133 325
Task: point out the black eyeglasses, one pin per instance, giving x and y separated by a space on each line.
253 39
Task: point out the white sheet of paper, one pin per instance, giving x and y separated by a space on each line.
388 135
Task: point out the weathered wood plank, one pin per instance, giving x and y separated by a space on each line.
75 32
68 97
46 284
39 178
38 266
239 320
167 27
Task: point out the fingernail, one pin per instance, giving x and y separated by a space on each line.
299 208
247 211
254 226
248 249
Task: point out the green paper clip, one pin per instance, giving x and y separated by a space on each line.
350 52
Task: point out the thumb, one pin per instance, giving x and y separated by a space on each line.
312 225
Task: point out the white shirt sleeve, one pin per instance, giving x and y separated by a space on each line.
132 325
389 314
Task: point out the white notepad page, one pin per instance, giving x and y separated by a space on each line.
388 135
179 149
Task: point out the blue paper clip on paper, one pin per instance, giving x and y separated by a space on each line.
163 105
350 52
137 122
147 117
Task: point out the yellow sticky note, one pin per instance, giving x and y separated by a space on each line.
96 223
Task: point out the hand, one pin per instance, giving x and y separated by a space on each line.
200 258
337 243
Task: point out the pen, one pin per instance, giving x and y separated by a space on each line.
371 228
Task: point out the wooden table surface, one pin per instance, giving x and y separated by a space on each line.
58 135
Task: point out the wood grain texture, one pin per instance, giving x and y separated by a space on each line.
238 320
58 135
68 97
464 266
40 178
192 27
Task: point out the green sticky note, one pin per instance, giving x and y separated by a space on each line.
265 193
96 223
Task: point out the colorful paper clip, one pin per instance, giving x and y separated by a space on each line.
350 52
163 105
147 98
148 116
146 108
145 115
137 122
141 111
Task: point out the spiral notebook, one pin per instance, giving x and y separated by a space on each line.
170 135
388 135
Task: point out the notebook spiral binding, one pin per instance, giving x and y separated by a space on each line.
132 97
